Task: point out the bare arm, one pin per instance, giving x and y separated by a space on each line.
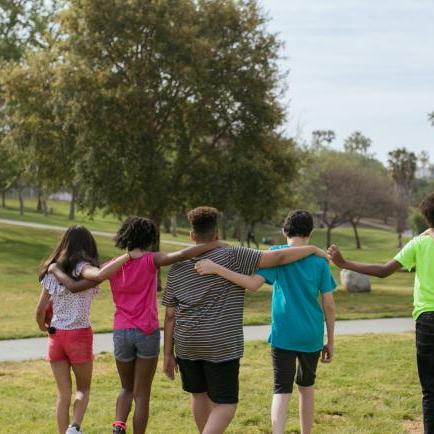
377 270
162 258
169 364
253 283
41 308
329 307
92 275
273 258
68 282
100 274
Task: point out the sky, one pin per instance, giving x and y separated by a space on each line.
363 65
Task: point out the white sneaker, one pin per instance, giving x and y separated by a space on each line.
72 430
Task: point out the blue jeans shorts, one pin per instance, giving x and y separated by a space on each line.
132 343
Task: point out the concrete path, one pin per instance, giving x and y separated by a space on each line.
35 348
64 228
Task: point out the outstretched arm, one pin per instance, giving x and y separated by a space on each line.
253 283
273 258
377 270
162 258
91 275
41 308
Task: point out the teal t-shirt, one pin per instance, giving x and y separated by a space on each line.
297 319
419 253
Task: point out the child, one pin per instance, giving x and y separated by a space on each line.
297 329
419 253
136 333
70 339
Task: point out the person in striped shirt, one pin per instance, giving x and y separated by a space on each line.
204 321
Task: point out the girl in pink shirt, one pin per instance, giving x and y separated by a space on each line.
70 339
136 334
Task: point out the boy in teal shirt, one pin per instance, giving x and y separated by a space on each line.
297 329
419 253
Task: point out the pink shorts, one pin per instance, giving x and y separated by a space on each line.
76 346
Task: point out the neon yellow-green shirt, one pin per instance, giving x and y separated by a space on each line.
419 253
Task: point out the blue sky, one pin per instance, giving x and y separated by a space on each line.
359 65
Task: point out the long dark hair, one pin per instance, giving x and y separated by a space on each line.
76 245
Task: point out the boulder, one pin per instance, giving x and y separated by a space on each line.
355 282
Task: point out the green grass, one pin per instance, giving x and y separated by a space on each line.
23 249
371 387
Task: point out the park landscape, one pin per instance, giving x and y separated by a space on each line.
131 107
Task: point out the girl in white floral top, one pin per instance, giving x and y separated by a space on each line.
70 339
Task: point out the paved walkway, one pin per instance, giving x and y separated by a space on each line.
35 348
64 228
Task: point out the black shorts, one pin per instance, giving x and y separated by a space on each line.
286 369
218 380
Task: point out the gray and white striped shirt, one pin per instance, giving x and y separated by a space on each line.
209 309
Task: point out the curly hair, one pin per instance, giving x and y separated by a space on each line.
136 233
298 224
203 220
427 209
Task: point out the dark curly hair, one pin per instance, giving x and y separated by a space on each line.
203 220
427 209
298 224
137 233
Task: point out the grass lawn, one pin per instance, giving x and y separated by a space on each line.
23 249
371 387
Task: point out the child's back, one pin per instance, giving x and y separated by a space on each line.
297 316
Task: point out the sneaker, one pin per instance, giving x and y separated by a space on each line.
72 430
119 428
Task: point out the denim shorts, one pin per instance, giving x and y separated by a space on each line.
132 343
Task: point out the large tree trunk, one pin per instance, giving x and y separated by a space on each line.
39 201
173 225
21 200
399 240
74 194
223 225
157 218
356 234
329 236
166 225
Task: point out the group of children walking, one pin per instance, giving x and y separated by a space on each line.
203 330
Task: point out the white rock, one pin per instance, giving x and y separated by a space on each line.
355 282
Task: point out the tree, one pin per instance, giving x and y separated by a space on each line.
158 89
321 138
402 164
35 127
22 25
357 142
346 187
431 118
9 171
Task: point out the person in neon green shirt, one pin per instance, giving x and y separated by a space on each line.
419 253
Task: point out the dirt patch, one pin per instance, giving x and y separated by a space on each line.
413 426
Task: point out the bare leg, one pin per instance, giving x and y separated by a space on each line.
143 376
306 408
83 378
219 419
62 374
201 407
279 412
125 397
